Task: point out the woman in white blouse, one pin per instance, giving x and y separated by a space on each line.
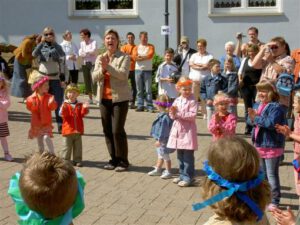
71 51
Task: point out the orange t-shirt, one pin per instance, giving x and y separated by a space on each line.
296 56
107 87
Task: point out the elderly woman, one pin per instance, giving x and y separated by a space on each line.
229 48
248 78
23 61
71 51
50 58
111 73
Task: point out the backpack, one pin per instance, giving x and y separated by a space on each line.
285 84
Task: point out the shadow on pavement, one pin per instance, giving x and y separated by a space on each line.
16 160
93 164
289 195
284 206
19 116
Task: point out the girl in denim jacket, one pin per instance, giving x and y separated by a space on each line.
183 135
160 131
269 144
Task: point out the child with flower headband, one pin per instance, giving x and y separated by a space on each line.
234 187
264 115
160 131
48 190
295 135
40 104
4 104
72 113
222 122
183 135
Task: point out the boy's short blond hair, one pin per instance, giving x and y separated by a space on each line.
235 160
213 62
48 184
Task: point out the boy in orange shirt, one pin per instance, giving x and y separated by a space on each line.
72 113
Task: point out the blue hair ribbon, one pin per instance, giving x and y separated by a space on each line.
233 188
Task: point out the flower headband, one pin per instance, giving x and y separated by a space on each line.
39 82
236 188
28 216
218 100
184 83
163 104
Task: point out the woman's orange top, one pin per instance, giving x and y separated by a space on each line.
107 87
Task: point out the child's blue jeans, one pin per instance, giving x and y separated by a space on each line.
186 161
271 170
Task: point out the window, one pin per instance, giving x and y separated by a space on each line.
244 7
103 8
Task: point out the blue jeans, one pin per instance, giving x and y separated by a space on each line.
271 170
143 81
58 92
186 161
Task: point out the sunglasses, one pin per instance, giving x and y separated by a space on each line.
273 47
48 34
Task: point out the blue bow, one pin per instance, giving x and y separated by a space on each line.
233 188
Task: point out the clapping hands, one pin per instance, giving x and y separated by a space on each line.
283 129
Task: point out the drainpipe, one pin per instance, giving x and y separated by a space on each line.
178 20
166 22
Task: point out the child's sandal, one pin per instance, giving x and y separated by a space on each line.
8 157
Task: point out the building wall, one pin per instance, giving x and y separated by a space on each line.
218 30
18 20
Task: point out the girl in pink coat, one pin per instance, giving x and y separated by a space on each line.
183 135
4 104
222 123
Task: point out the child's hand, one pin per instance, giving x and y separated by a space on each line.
251 113
217 117
173 110
157 144
283 129
209 102
51 100
85 105
285 217
63 84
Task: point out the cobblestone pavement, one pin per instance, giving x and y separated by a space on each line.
129 198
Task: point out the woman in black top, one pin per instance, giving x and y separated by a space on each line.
248 78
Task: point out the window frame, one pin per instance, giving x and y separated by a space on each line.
245 10
103 12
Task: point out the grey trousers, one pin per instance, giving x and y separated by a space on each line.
72 142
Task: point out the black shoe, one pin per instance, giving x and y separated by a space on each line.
59 128
109 166
122 166
247 132
139 110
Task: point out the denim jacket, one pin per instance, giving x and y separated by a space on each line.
161 127
267 137
232 84
211 85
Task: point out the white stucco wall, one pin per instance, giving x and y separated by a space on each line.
18 20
